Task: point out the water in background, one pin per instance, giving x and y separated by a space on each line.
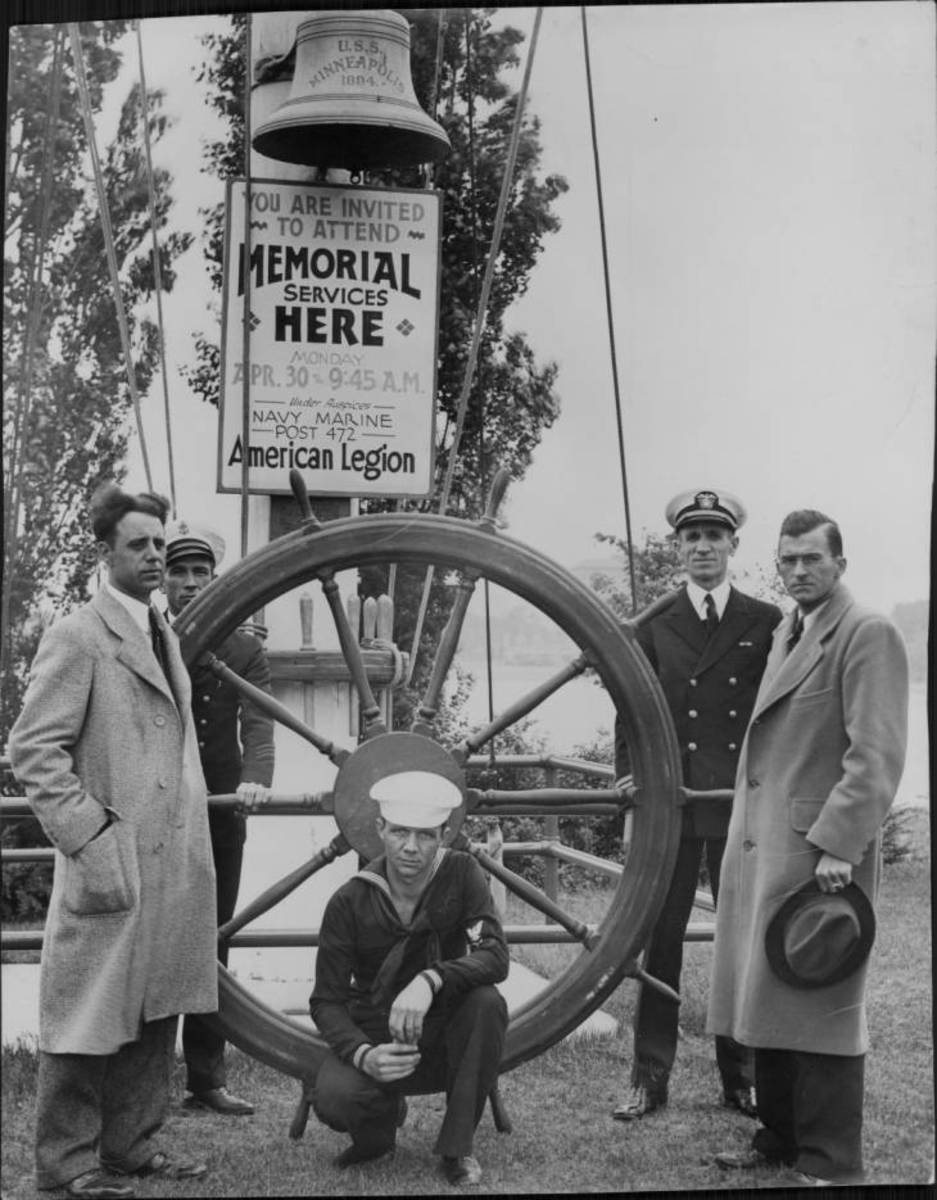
578 713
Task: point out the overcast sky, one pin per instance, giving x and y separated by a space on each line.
769 188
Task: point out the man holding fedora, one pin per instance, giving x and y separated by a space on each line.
818 772
708 647
409 952
235 743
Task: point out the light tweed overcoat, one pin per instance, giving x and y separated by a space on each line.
819 768
131 931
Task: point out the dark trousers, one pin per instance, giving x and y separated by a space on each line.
102 1106
811 1109
461 1053
203 1046
656 1017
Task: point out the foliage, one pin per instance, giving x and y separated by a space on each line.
65 424
897 840
657 570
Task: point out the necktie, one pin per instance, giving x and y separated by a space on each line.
156 639
712 617
796 632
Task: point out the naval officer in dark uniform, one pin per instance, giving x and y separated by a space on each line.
708 649
235 743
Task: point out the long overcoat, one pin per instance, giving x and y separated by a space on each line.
819 769
131 931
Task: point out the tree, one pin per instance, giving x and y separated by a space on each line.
65 411
513 399
657 570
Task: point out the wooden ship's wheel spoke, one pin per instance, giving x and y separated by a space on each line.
522 708
279 712
278 891
370 712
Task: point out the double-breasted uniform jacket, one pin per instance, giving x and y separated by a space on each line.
218 708
131 931
818 772
710 687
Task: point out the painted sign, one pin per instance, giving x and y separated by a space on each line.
342 285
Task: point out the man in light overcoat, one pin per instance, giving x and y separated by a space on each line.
818 772
106 749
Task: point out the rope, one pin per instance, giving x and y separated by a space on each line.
608 308
470 82
14 461
506 184
108 240
157 269
246 307
441 18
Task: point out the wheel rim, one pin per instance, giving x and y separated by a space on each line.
610 648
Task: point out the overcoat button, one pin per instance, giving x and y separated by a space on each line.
159 720
693 712
753 783
747 845
733 713
692 683
733 680
691 746
731 745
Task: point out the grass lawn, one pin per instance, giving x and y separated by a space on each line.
564 1140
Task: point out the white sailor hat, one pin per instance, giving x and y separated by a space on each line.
416 799
183 539
706 504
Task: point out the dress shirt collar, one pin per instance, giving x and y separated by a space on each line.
697 595
139 612
809 618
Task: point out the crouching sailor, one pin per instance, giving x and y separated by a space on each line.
409 952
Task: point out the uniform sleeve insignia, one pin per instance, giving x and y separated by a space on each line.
474 933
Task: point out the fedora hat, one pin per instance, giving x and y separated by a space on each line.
819 938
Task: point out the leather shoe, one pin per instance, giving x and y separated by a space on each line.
801 1179
465 1169
219 1100
743 1160
639 1104
743 1099
161 1166
354 1155
95 1185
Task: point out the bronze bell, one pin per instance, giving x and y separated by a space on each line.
352 102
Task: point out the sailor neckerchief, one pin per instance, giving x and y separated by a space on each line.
408 936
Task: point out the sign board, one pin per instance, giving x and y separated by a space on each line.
343 290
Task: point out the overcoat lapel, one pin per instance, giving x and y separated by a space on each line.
178 674
134 652
785 672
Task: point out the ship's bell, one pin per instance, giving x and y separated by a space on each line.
352 103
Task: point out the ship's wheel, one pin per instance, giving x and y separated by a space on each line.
463 554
